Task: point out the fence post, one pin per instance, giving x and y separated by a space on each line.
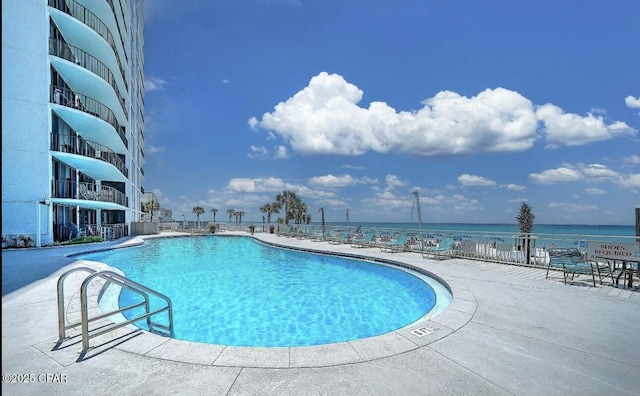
638 225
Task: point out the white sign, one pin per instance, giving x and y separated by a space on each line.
614 250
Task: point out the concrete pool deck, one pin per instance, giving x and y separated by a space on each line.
508 330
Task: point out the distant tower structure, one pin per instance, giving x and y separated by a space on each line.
417 204
322 211
638 225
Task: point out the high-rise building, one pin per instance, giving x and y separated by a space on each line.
72 118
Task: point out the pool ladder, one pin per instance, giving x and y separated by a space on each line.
111 277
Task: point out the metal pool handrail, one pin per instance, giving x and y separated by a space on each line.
121 281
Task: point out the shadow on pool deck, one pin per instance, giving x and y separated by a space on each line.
24 266
524 334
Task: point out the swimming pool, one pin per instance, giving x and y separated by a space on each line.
236 291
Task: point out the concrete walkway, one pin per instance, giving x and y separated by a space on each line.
508 330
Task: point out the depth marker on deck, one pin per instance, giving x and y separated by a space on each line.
423 331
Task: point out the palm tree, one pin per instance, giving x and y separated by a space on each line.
230 212
198 210
294 208
270 209
214 211
525 219
298 211
239 215
151 207
525 222
288 199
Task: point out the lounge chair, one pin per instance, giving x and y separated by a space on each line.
571 262
343 237
305 234
365 241
442 250
397 245
321 237
290 232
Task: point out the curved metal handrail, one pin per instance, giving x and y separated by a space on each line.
121 281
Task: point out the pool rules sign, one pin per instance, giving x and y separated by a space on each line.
628 251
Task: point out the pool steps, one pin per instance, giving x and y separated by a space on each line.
110 277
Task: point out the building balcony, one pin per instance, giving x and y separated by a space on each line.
61 49
64 143
87 195
84 15
116 20
66 99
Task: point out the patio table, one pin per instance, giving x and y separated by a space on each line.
627 267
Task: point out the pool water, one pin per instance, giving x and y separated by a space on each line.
236 291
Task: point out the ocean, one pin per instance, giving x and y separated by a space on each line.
546 234
565 229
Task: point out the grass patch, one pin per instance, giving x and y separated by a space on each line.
85 239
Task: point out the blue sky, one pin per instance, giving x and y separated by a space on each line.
354 104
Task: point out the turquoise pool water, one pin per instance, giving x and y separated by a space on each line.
236 291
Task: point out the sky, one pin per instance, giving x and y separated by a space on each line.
354 105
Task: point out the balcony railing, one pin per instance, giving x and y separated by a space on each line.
87 191
73 54
85 16
108 232
67 97
115 17
77 145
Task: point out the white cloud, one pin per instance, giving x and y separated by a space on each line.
151 149
591 173
632 160
632 102
281 152
258 152
332 203
558 175
242 184
475 181
394 181
462 204
257 185
630 181
573 208
594 191
514 187
324 118
564 129
388 201
154 84
347 166
331 181
597 171
165 202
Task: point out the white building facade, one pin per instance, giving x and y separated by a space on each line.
72 118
